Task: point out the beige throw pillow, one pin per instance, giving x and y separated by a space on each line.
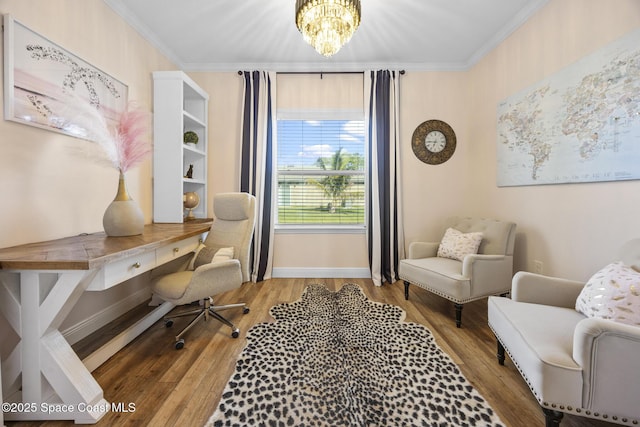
612 293
207 255
456 244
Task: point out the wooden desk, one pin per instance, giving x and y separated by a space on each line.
39 285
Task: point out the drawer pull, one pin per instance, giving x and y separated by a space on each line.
176 250
136 265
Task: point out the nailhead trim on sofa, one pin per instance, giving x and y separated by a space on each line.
561 407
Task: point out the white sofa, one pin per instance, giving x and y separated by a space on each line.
573 364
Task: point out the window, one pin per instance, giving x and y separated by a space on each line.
321 169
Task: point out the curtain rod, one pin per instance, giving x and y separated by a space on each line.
321 72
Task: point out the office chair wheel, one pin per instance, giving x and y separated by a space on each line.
245 310
168 323
179 344
235 333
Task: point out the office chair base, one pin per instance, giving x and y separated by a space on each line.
205 312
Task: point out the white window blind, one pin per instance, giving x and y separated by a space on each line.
320 151
321 172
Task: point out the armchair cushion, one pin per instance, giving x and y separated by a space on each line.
456 244
442 276
540 340
612 293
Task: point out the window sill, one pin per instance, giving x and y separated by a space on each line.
320 229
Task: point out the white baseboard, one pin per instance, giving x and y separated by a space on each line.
80 330
318 273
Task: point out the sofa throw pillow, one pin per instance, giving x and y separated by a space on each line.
612 293
208 255
456 244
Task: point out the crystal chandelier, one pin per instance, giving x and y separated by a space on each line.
327 24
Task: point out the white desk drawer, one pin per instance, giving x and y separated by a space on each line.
119 271
177 249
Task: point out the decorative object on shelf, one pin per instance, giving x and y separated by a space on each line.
190 137
433 142
124 147
327 25
190 200
189 172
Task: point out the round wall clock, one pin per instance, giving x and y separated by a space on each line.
433 142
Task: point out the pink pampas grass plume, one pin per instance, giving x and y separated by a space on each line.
124 146
132 137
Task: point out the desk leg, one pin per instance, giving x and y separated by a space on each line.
51 372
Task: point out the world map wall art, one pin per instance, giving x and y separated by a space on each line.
41 79
581 124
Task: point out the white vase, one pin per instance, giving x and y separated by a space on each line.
123 216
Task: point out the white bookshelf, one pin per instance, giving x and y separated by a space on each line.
179 105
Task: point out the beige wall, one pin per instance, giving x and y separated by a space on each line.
574 229
433 192
48 191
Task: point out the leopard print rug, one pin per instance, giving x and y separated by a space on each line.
338 359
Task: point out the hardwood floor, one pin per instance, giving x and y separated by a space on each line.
182 387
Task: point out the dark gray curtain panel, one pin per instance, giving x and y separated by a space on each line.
385 235
256 170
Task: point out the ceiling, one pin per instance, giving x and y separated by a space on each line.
231 35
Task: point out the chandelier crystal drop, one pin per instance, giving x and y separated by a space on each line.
327 24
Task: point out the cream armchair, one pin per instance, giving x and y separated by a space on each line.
473 276
219 265
572 363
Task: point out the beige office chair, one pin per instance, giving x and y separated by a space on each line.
453 270
219 265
